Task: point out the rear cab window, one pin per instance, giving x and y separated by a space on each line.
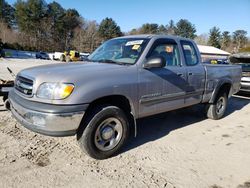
190 54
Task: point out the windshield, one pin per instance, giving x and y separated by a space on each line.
119 51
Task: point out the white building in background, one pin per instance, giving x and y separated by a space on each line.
211 53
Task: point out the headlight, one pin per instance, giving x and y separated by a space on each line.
54 91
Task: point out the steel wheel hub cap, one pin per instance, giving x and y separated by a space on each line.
220 105
108 134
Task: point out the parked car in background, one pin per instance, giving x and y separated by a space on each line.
42 55
51 56
243 59
84 56
125 79
58 55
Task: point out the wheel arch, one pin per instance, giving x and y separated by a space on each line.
115 100
223 86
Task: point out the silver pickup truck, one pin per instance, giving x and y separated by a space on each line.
125 79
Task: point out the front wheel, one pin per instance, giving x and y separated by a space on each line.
105 133
217 109
7 104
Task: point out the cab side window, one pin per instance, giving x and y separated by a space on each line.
190 54
168 51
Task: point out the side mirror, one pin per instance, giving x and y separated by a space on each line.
154 62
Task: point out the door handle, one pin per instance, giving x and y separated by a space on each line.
180 74
190 74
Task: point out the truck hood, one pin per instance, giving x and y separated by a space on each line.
89 78
68 72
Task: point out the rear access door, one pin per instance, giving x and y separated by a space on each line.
196 75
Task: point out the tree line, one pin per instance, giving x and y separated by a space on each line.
38 25
238 41
235 42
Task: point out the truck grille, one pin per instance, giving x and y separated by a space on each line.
24 85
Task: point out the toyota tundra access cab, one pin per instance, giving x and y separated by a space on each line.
125 79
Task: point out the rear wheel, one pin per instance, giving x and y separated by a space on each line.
217 109
106 132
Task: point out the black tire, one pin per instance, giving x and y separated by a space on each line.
7 104
5 98
92 139
217 109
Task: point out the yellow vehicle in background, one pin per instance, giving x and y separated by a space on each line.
69 56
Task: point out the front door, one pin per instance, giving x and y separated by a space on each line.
162 89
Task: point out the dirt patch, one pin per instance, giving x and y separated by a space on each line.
170 151
245 185
215 186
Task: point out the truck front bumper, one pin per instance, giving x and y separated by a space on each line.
51 123
245 84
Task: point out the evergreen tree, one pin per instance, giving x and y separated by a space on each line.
225 40
134 32
171 28
71 21
214 37
162 29
109 29
55 15
186 29
7 13
149 28
48 26
240 38
29 15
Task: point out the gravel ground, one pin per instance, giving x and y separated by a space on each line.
175 149
18 64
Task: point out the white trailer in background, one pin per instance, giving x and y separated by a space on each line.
51 56
209 53
57 55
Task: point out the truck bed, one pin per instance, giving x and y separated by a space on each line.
216 73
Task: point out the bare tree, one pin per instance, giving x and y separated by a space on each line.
6 34
86 38
201 39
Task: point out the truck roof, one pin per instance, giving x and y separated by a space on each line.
150 36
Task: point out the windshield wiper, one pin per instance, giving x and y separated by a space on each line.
107 61
111 61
